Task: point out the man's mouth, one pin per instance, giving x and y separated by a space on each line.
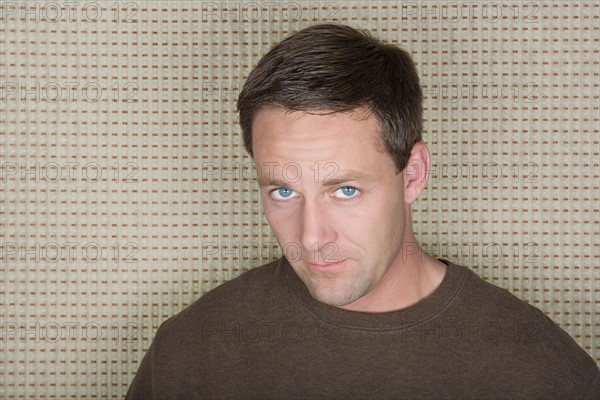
326 266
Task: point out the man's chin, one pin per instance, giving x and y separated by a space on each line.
332 297
333 288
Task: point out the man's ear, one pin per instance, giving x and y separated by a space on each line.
416 173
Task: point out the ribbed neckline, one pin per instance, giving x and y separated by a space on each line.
419 313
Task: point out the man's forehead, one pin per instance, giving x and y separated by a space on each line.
326 174
277 130
330 147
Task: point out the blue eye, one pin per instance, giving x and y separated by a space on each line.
282 193
347 192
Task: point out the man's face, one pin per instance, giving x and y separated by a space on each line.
332 198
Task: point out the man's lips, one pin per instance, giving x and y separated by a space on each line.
326 266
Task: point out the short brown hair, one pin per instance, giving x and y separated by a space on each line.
337 68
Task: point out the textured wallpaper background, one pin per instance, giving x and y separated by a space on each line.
126 193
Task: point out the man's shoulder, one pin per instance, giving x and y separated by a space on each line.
519 332
493 300
251 290
489 301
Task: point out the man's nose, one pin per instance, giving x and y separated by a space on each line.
317 230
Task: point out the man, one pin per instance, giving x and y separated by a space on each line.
355 309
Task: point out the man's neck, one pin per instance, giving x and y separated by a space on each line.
404 285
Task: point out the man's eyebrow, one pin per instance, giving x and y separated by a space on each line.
265 181
350 176
337 179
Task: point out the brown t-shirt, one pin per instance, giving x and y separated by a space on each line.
263 336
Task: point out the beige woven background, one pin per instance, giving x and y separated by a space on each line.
126 193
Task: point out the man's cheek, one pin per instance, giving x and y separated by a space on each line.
281 228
